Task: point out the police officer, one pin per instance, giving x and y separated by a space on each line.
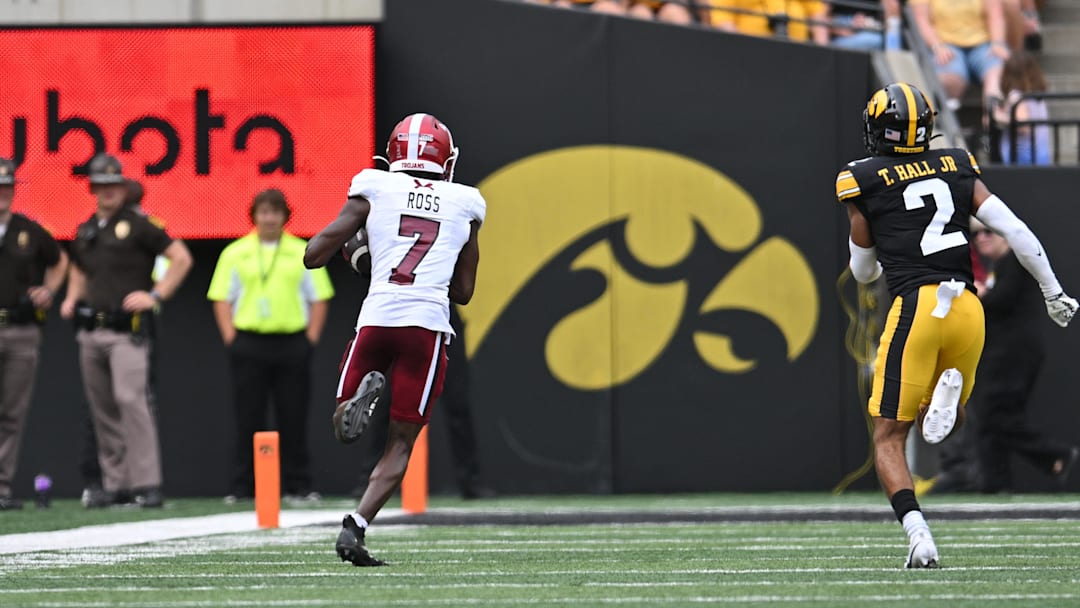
88 460
111 297
32 268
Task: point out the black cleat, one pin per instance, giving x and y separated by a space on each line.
95 497
351 417
149 498
350 545
1067 463
7 503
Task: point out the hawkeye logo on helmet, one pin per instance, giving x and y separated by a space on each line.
878 103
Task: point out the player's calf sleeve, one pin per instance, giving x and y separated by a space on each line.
904 502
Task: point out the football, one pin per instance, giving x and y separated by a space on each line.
355 252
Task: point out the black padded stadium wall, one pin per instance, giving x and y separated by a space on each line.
656 308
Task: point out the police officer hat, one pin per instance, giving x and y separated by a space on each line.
7 172
105 169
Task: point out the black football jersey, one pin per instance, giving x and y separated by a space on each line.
918 207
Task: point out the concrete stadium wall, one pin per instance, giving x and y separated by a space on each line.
656 310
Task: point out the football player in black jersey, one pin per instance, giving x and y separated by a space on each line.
909 208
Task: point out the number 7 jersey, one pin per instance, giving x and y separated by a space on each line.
918 207
416 228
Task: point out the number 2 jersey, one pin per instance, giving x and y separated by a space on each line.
918 207
415 231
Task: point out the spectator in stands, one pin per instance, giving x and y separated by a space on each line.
799 20
1022 25
677 11
848 25
967 39
610 7
1021 75
1010 365
669 12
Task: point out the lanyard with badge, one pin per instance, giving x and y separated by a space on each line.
263 303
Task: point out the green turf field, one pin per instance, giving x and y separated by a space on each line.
1000 562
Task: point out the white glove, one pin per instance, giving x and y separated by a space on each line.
1061 308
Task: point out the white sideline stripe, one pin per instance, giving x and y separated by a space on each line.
836 600
133 533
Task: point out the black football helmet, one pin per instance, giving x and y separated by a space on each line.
899 120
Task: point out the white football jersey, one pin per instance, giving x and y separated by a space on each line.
415 230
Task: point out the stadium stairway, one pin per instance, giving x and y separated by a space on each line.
1060 59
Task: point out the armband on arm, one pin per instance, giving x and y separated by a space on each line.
864 264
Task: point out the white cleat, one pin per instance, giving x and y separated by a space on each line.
940 416
922 553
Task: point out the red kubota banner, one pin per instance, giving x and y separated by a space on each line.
203 117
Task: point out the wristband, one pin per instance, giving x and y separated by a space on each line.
156 295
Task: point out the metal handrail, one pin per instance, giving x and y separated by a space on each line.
1056 123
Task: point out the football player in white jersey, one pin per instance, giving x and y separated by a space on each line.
421 231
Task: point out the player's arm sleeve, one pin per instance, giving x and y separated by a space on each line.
996 214
864 264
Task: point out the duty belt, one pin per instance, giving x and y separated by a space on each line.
23 315
92 319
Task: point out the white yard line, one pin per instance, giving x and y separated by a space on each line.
133 533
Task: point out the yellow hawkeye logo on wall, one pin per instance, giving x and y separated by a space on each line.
661 209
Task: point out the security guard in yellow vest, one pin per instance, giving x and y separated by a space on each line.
32 268
111 296
271 312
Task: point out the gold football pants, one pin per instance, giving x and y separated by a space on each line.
916 347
